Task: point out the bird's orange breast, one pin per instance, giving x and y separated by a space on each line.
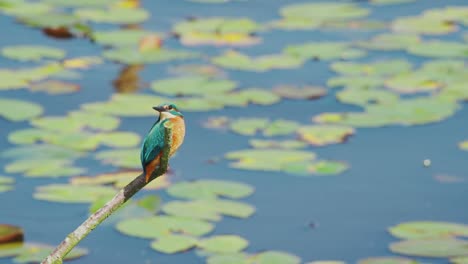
178 133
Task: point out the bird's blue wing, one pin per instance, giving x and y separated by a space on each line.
152 144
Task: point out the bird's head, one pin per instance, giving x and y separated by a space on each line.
167 110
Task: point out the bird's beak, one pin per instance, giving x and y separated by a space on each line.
159 109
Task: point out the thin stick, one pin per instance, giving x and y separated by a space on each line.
59 253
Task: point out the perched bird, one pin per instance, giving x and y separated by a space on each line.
153 143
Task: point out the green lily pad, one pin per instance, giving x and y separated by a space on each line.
267 159
324 51
34 252
210 189
192 85
209 209
248 126
230 258
356 82
435 247
54 87
121 37
387 260
320 167
463 145
327 262
158 226
281 144
123 158
10 233
390 2
66 193
124 105
223 244
280 127
459 260
439 49
131 55
423 25
5 185
427 229
314 15
391 41
21 8
172 243
18 110
218 31
49 20
197 70
379 68
412 82
320 135
306 92
113 15
276 257
82 3
32 52
239 61
119 180
364 97
414 111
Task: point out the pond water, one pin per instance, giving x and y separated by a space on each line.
337 217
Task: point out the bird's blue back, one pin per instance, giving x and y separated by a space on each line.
153 143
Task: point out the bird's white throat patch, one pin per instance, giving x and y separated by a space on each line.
166 115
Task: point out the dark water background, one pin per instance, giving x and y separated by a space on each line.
338 217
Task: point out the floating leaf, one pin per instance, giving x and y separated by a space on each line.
18 110
267 159
124 105
238 61
119 180
390 2
364 97
323 51
306 92
320 167
35 253
123 158
113 15
120 37
5 185
193 85
223 244
284 144
276 257
387 260
66 193
423 25
54 87
32 52
82 3
390 41
159 226
436 247
267 257
21 8
439 49
171 244
356 82
459 260
230 258
427 229
412 82
248 126
210 189
131 55
280 127
10 233
320 135
50 20
378 68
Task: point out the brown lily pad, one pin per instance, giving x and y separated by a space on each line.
10 234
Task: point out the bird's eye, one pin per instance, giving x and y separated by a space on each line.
169 107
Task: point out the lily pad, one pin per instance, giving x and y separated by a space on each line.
193 85
239 61
248 126
267 159
413 82
123 158
280 127
10 233
208 209
119 180
324 51
364 97
306 92
132 55
276 257
387 260
66 193
82 3
428 229
459 260
378 68
6 185
54 87
282 144
121 37
356 82
173 243
223 244
423 25
320 167
34 252
115 15
435 247
124 105
158 226
320 135
440 49
390 41
210 189
18 110
50 20
32 52
390 2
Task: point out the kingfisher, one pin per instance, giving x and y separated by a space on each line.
153 143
